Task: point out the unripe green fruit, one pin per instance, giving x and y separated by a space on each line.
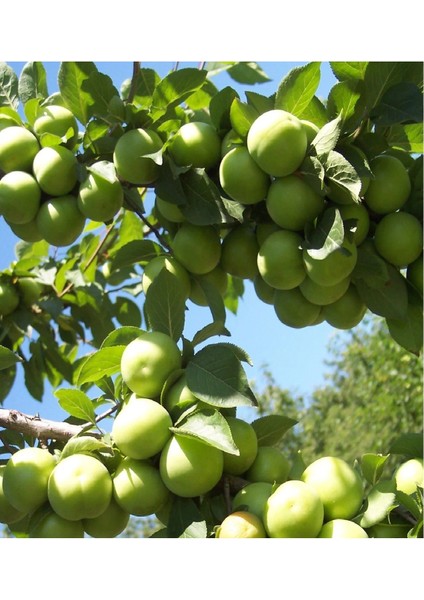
263 290
131 158
172 266
277 141
310 129
294 310
414 273
147 362
79 487
9 298
99 199
346 312
178 397
138 488
335 267
239 253
196 144
410 475
252 186
342 528
8 513
60 221
323 294
27 231
197 248
280 261
55 169
338 485
26 476
399 238
294 510
230 140
52 525
109 524
141 428
270 466
170 211
189 467
253 498
20 197
292 203
30 290
245 439
390 188
241 524
18 147
57 120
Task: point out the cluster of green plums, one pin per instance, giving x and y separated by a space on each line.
44 194
65 494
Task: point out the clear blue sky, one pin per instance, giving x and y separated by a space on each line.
294 356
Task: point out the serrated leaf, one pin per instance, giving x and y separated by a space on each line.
7 379
386 298
208 426
380 501
9 95
312 171
8 358
32 82
210 330
372 466
342 99
327 137
259 102
203 200
348 71
315 112
145 85
83 444
133 252
270 429
409 445
99 87
216 376
340 172
102 363
122 336
220 107
408 331
165 305
71 78
298 88
407 137
76 403
248 73
401 103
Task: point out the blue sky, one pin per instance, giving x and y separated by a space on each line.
294 356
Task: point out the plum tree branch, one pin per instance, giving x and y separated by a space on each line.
40 428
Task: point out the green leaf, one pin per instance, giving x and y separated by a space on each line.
122 336
104 169
136 251
76 403
406 137
220 107
100 89
401 103
7 380
327 137
185 520
242 116
216 376
270 429
315 112
165 305
8 358
412 502
409 445
342 100
9 95
327 236
32 82
174 88
339 171
349 71
387 298
372 466
380 501
259 102
408 331
248 73
127 312
145 84
298 88
83 444
203 206
210 330
209 426
102 363
312 170
71 77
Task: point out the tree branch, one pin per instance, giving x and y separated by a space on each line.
39 428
